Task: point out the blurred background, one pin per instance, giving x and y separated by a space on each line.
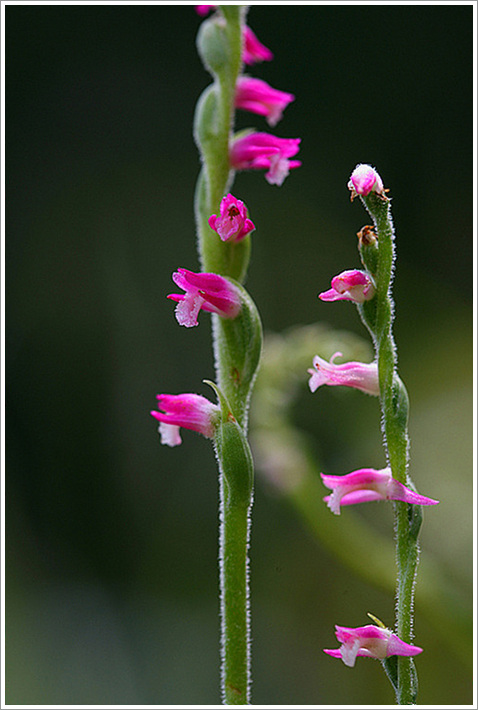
111 548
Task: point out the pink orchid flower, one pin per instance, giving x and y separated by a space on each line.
259 151
365 180
232 225
257 96
190 411
204 291
371 641
360 375
352 285
203 10
253 50
368 484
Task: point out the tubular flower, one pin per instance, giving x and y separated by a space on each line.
365 180
352 285
203 10
371 641
254 51
232 225
368 484
360 375
207 292
191 411
257 96
259 151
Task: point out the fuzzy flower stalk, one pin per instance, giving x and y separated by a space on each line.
225 44
370 290
378 257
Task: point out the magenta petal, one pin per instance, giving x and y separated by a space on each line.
364 496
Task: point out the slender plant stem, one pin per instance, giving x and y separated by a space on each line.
220 46
394 405
235 624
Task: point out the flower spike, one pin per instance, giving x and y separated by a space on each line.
352 285
257 96
360 375
232 225
190 411
370 641
204 291
368 484
259 151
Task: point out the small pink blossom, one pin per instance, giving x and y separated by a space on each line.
190 411
360 375
365 180
232 225
371 641
207 292
352 285
203 10
368 484
253 50
257 96
263 151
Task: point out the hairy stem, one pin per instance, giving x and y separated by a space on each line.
394 406
236 343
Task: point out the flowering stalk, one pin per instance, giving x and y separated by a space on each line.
377 254
223 231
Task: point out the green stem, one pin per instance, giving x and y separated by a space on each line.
236 343
394 405
234 582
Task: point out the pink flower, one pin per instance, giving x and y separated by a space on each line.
371 641
360 375
259 151
203 10
365 180
352 285
368 484
209 292
257 96
191 411
253 50
232 225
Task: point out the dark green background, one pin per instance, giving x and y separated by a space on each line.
112 539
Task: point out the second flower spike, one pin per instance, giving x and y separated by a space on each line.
368 484
204 291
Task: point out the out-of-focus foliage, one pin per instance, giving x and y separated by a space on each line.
111 549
